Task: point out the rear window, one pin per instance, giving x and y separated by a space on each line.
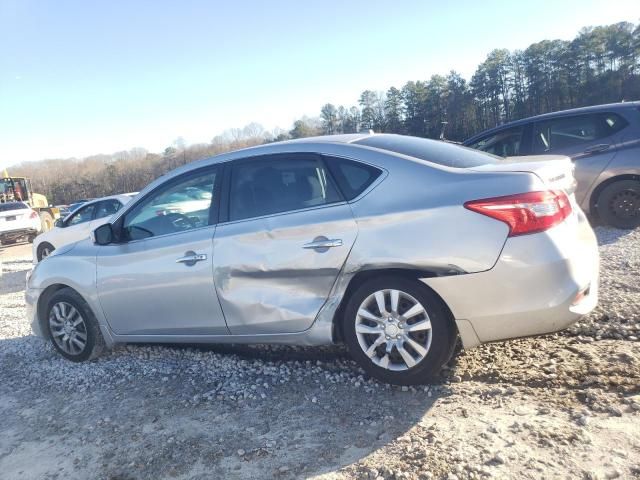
5 207
353 178
434 151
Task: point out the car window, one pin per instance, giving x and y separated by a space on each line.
505 143
5 207
353 178
181 205
577 130
82 215
611 123
106 208
264 187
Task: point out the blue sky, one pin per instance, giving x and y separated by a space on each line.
83 77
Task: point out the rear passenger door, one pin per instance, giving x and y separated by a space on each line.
284 236
589 139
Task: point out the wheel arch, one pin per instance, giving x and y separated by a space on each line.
366 275
41 245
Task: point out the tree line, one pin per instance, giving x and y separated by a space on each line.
600 65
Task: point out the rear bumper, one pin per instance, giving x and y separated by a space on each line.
17 233
541 283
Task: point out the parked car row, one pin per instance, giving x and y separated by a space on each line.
604 143
393 245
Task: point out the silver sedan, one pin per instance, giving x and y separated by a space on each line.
396 246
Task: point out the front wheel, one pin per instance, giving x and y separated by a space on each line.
73 329
398 330
619 204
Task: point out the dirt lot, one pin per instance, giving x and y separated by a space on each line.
561 406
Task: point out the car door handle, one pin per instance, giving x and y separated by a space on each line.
597 148
324 243
191 258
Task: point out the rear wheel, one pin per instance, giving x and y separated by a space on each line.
619 204
398 330
73 329
44 250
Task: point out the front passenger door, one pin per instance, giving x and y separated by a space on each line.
508 142
159 280
77 226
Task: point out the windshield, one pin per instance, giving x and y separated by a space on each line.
5 207
5 187
435 151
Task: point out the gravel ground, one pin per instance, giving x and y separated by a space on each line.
560 406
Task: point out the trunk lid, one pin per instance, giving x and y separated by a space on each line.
11 215
555 170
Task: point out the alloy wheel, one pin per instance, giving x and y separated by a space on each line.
68 328
393 329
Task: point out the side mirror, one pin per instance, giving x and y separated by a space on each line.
59 223
103 235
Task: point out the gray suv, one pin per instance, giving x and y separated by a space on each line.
604 143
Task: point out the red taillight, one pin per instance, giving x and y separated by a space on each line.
525 212
33 215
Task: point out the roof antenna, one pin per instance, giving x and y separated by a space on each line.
444 125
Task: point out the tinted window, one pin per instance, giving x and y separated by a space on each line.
181 205
5 207
353 177
433 151
574 131
85 214
505 143
106 208
263 187
611 123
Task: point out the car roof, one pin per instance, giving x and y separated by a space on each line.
608 107
122 197
340 145
273 148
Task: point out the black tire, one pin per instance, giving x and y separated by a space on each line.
94 344
619 204
44 250
443 331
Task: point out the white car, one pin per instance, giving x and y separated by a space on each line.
78 224
18 220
